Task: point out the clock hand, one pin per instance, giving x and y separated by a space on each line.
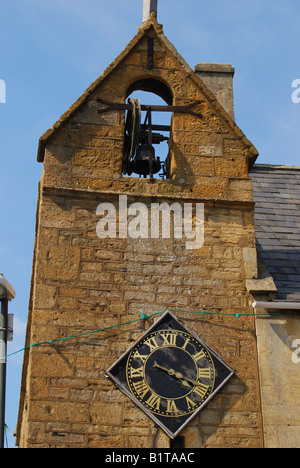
155 365
185 381
172 373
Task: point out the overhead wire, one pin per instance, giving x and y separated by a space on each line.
143 317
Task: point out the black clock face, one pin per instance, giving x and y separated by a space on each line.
170 373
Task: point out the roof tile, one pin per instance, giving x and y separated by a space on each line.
276 191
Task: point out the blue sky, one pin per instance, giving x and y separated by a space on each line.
52 50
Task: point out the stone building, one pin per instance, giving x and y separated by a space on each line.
277 220
82 281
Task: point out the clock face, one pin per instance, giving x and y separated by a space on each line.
170 373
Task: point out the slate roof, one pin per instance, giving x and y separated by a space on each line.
277 220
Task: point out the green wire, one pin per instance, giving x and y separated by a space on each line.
227 314
51 342
144 317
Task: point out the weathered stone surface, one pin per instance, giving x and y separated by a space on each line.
279 376
250 262
83 283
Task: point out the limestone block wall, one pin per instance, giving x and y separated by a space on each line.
83 283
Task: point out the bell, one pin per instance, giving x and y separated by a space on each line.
141 165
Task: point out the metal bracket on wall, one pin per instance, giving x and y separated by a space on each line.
147 128
150 58
112 106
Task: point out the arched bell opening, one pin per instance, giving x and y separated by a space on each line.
154 86
147 129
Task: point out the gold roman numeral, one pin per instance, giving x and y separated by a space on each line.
201 390
171 407
205 373
154 402
152 344
199 355
186 343
142 357
190 403
169 339
136 372
141 388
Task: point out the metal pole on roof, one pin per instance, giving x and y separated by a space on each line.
7 293
149 6
3 352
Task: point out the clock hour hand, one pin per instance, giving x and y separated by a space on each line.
177 375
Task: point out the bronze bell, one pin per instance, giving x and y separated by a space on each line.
141 164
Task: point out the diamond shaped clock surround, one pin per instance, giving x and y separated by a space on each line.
170 373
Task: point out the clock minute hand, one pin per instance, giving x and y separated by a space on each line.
184 380
157 366
173 373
